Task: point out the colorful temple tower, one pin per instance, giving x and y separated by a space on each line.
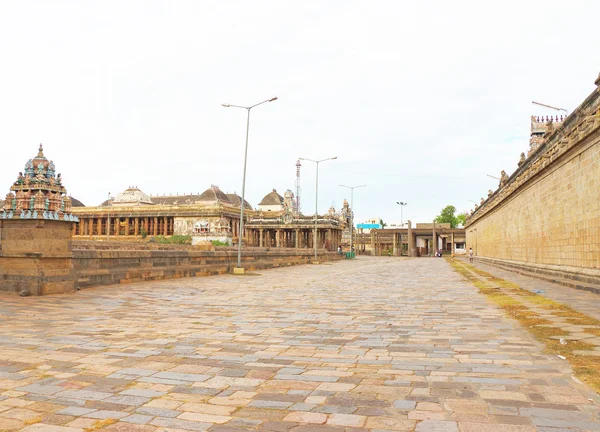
36 227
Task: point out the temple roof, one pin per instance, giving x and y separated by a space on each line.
76 203
235 199
213 195
272 198
132 196
176 199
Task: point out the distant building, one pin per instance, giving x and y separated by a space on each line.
211 215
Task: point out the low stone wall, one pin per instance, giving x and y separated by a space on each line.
94 267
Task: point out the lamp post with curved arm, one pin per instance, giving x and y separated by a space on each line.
352 213
317 198
240 269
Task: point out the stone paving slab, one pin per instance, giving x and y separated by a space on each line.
373 344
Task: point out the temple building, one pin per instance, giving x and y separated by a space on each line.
212 215
277 223
133 213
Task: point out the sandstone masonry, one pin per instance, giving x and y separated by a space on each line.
547 215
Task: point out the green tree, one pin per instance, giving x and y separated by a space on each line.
461 218
382 223
447 215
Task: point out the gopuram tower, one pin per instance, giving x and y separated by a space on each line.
35 232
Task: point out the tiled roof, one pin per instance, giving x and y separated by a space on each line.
236 199
272 198
214 194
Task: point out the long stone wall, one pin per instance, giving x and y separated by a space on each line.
548 214
94 267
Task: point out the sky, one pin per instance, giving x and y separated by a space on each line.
419 101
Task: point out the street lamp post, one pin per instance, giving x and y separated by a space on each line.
108 218
317 198
352 212
401 204
240 269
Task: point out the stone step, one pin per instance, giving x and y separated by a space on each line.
548 276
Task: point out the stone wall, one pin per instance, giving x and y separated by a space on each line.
548 214
94 267
35 257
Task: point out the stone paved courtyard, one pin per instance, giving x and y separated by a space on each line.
373 344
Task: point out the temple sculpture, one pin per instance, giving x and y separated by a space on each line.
503 179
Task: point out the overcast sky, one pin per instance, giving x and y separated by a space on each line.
418 100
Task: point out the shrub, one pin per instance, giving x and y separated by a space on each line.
175 239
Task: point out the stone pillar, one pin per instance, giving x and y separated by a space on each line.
434 246
452 242
278 238
411 241
373 242
155 226
126 226
261 238
165 226
136 226
147 225
99 227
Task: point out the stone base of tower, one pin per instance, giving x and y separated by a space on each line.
36 257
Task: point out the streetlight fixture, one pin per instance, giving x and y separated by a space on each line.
550 106
239 269
317 198
352 212
401 204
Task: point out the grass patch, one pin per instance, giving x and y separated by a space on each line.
514 300
586 368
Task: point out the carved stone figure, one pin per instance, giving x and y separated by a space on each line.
59 179
503 179
29 168
522 160
40 177
482 201
490 193
39 201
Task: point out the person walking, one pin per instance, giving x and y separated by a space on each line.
471 255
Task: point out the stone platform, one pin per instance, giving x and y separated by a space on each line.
379 344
